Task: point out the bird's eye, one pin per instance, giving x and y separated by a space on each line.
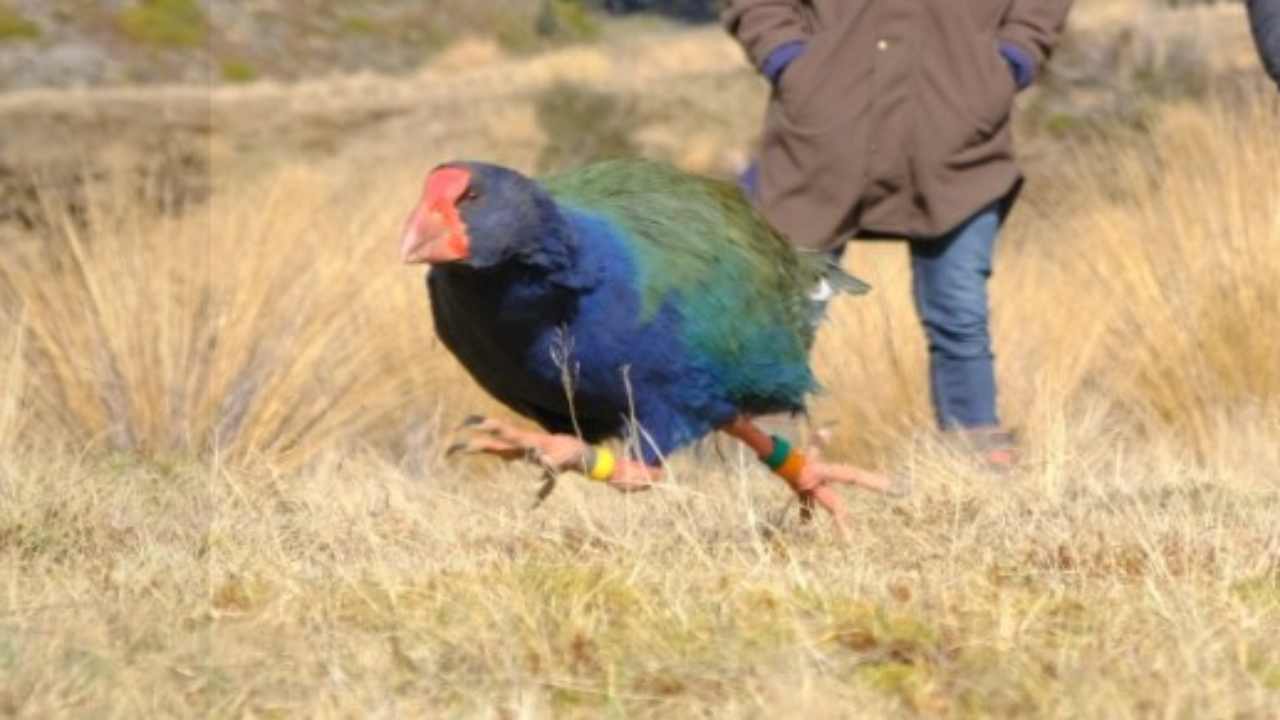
469 196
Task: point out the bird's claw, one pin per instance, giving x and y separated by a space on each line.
817 474
549 480
482 435
816 483
496 437
552 453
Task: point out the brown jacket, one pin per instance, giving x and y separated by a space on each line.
895 120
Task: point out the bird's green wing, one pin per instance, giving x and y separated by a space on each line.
699 243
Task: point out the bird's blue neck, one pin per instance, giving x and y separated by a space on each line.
570 254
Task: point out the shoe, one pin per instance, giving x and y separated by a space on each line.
994 448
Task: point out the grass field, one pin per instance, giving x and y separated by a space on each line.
221 490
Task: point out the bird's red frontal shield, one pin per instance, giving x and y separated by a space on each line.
435 232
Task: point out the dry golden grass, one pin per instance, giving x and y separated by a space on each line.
1145 280
221 491
264 325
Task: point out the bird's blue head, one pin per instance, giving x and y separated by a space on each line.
479 216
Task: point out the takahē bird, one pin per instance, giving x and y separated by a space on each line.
626 298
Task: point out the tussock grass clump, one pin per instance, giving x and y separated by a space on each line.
1143 284
269 323
1189 263
12 376
583 126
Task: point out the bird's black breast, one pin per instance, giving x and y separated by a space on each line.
501 341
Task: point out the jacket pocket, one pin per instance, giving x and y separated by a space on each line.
795 88
1001 90
817 92
981 73
985 88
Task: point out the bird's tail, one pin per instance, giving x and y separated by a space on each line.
834 280
841 281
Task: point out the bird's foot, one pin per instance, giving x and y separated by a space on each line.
816 473
812 480
815 480
554 453
841 474
491 436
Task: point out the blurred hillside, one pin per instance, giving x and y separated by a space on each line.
73 43
87 43
548 83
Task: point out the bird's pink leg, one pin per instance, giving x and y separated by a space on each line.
556 453
811 479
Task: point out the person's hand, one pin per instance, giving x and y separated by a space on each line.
780 58
1020 64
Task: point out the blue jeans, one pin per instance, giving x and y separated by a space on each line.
949 283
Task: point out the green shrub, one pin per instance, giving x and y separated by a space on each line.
567 19
359 25
239 71
15 27
169 23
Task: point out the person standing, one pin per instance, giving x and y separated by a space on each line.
891 119
1264 20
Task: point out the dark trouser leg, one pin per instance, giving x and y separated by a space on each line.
949 280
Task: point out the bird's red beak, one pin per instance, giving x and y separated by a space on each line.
435 232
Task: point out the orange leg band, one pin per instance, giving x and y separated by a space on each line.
791 467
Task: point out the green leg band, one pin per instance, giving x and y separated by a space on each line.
781 449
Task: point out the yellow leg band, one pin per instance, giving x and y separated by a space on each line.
604 465
791 467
